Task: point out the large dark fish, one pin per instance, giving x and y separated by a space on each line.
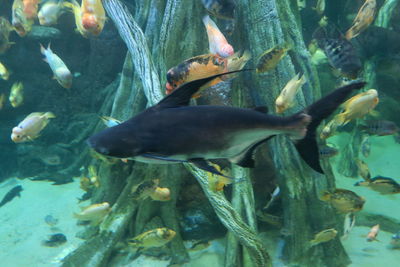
339 51
16 191
173 132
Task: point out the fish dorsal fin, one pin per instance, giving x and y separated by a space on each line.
262 109
182 95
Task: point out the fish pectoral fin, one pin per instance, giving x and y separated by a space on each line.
160 157
246 159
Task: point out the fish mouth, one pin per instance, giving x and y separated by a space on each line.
99 149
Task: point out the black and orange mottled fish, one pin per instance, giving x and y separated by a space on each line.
203 66
364 18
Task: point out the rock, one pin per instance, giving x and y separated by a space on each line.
44 33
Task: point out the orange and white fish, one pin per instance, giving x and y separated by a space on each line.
16 97
31 126
204 66
94 213
364 18
357 107
217 41
93 16
31 8
50 12
373 233
60 70
21 23
286 98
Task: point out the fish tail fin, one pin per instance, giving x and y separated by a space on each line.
236 62
50 115
42 49
320 110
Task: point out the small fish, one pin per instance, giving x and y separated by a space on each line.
217 41
94 213
365 146
151 189
93 16
339 51
50 220
204 66
275 194
161 194
61 73
109 121
223 9
270 219
21 23
154 238
329 129
2 100
55 240
49 12
328 151
16 97
31 126
90 182
271 57
286 98
357 107
349 222
320 7
4 73
14 192
218 182
144 189
373 233
395 242
343 200
200 245
381 184
363 170
31 8
323 236
379 127
5 29
364 18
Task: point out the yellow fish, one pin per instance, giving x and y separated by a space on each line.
364 18
286 98
329 129
270 58
31 126
22 24
153 238
4 73
217 182
161 194
357 107
343 200
94 213
61 73
324 236
16 97
76 10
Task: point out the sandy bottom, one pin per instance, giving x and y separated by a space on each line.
23 227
